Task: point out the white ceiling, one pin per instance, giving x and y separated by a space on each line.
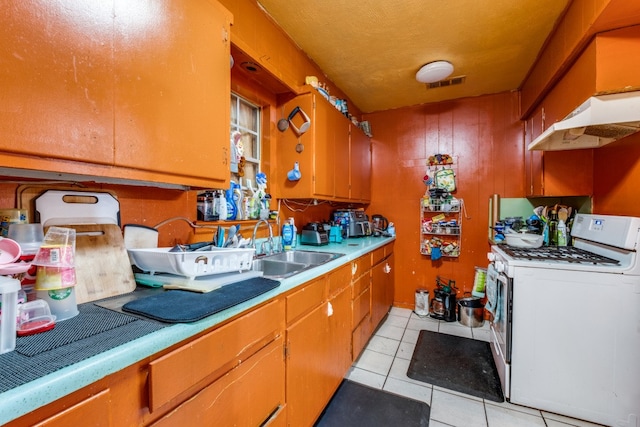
371 49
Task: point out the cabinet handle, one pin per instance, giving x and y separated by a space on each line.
329 309
354 268
387 268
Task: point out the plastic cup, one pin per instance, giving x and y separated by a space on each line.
62 302
49 278
57 249
29 236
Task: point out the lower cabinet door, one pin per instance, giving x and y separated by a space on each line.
309 374
252 394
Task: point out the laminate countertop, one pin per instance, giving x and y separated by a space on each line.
34 394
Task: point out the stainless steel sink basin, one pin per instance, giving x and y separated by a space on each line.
287 264
304 257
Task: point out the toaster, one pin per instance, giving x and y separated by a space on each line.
314 234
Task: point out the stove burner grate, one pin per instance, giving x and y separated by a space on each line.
567 254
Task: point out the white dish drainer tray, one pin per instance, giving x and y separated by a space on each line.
192 264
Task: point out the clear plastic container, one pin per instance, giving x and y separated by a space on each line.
34 317
8 311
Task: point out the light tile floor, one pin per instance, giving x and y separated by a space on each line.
384 362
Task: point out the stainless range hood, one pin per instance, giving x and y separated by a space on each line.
600 120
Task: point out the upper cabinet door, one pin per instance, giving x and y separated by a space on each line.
360 148
172 88
56 80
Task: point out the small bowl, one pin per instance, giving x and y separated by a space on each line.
10 251
524 240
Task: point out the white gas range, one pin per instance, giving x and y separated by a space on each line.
566 322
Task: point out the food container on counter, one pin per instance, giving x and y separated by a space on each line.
34 317
8 311
524 240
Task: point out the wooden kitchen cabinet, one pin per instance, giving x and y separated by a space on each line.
118 89
176 374
317 345
56 81
361 303
172 88
381 287
250 395
98 406
360 156
328 163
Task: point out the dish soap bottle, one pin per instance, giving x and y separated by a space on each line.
287 235
561 238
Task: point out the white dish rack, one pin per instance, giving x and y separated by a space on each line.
192 264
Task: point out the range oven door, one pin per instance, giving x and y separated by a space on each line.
499 292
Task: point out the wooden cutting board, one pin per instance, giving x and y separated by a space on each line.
102 263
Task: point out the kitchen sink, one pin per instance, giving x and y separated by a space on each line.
286 264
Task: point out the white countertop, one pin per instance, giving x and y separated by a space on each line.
30 396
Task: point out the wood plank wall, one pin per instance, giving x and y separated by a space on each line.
485 135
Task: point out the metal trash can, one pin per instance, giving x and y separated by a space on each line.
471 312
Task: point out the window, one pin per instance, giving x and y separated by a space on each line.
245 137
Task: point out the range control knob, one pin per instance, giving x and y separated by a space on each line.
491 256
499 265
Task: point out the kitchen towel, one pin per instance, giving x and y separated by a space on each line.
176 306
355 404
493 296
456 363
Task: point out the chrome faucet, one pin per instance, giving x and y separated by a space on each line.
269 240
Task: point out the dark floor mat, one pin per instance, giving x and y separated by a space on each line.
186 306
355 404
460 364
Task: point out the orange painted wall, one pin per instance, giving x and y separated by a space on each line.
485 135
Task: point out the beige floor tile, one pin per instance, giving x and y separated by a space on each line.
498 416
407 389
457 411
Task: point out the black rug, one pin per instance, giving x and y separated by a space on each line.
355 404
186 306
460 364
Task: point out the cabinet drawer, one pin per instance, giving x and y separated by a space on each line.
95 408
361 307
360 265
214 354
302 301
250 395
360 284
339 279
378 255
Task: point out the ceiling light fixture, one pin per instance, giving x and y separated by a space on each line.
434 71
